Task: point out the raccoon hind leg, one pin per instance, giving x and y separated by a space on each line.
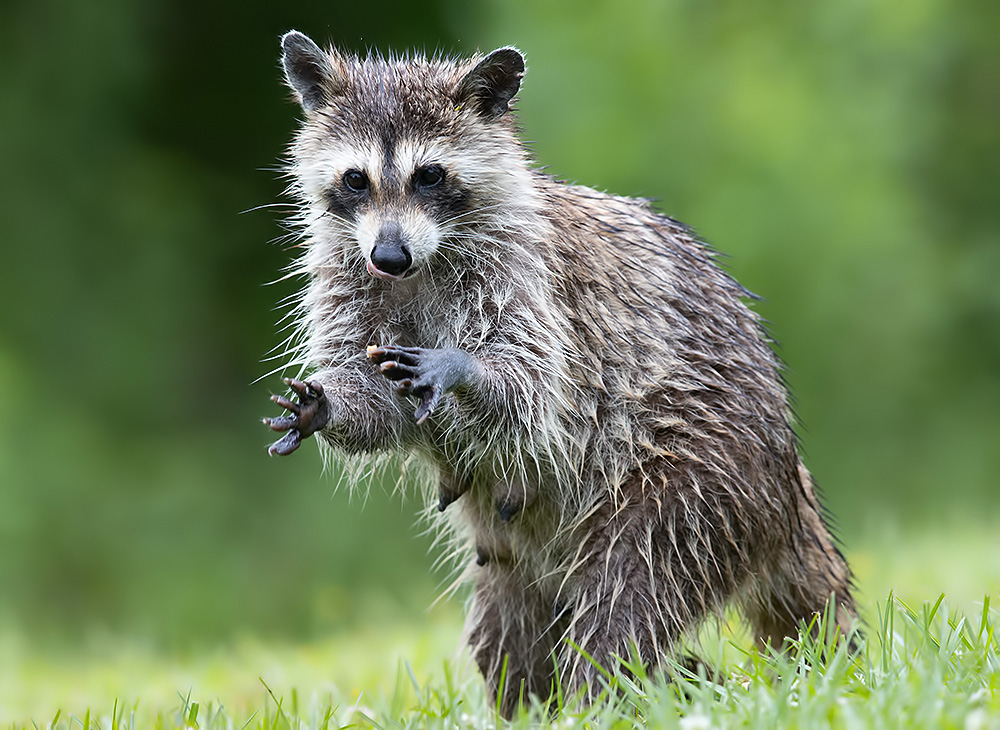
513 629
806 579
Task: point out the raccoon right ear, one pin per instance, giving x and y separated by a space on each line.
308 70
493 82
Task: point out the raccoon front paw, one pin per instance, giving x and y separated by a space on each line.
426 374
306 416
450 487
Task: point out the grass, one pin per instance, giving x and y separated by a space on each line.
933 664
923 667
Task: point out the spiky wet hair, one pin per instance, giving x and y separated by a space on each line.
405 136
624 455
392 118
320 78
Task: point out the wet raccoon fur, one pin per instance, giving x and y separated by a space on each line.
591 391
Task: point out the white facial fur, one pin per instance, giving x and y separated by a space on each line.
494 172
325 170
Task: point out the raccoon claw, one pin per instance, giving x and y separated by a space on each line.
429 400
281 423
286 444
306 416
396 363
310 389
285 403
507 510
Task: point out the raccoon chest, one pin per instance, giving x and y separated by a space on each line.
424 324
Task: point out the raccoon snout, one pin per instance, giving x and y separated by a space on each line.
390 257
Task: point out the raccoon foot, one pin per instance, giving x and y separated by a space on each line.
306 416
512 498
450 488
425 373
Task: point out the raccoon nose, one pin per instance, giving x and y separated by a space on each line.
391 259
391 255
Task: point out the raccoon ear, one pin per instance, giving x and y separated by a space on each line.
308 70
493 82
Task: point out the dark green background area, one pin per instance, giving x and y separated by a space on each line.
843 155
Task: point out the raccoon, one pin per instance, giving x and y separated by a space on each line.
582 380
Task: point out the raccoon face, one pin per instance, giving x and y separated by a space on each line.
398 208
399 156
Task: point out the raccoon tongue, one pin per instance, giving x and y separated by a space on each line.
377 272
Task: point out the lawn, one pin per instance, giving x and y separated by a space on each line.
932 660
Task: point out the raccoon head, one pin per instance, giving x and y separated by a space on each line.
399 158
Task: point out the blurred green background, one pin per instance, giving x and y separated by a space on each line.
845 155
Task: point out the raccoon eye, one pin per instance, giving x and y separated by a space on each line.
430 176
356 180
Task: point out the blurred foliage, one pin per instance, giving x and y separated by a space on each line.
845 155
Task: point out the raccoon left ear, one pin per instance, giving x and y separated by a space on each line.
307 69
493 82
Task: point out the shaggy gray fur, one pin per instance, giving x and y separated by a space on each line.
592 392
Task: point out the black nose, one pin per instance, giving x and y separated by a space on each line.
391 259
391 254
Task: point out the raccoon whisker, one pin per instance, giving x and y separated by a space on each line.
472 212
263 206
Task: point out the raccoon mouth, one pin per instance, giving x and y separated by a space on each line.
386 276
